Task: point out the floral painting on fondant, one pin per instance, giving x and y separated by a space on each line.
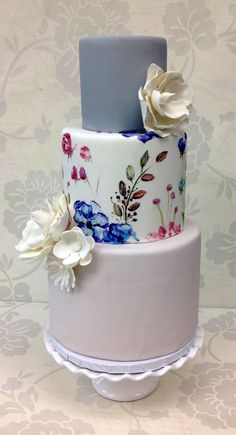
66 144
143 136
182 143
129 197
167 225
93 222
129 201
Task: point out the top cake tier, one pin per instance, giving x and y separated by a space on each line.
112 69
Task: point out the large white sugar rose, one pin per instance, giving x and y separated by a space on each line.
44 228
74 248
165 101
60 274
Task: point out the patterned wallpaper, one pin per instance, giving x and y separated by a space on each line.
39 86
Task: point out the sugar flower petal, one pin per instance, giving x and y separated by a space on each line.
87 260
166 101
44 228
73 248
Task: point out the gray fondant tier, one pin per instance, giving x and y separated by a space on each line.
112 68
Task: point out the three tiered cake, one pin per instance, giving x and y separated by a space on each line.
135 304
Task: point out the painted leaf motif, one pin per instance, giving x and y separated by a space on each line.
117 209
130 172
139 194
144 159
162 156
147 177
122 188
134 206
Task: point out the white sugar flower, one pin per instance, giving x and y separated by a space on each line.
34 244
44 228
165 101
60 274
74 248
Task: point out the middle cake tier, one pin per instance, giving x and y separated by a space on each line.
125 187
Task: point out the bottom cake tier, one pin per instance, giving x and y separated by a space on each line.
133 302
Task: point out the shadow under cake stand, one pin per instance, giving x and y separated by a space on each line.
123 381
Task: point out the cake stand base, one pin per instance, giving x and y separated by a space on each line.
125 386
125 390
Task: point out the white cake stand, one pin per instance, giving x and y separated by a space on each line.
125 386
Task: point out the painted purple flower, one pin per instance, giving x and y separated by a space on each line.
90 219
93 222
74 174
156 201
82 174
118 233
85 153
176 210
143 136
67 144
172 195
182 145
169 187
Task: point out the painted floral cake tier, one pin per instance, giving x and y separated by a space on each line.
125 187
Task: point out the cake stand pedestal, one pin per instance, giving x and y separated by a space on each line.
125 389
125 386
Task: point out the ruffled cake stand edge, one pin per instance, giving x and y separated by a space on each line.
125 386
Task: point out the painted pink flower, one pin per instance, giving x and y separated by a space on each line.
173 229
177 229
67 144
74 174
85 153
157 235
153 236
162 232
82 174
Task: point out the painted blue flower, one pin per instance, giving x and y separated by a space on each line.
182 145
90 219
118 233
181 186
143 136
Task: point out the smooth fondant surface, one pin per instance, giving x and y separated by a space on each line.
133 302
112 68
124 174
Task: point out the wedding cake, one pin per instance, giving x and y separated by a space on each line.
123 261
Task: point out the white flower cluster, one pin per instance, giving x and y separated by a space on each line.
166 101
47 234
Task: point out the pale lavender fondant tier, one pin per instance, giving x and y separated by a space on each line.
133 302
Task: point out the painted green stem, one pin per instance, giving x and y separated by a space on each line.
132 191
161 216
168 203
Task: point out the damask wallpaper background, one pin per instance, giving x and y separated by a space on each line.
39 87
39 95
